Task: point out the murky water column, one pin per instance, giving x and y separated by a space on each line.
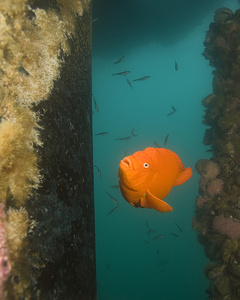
217 215
47 239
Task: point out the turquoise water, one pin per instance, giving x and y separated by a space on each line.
130 264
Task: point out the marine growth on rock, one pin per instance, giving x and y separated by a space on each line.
36 39
217 213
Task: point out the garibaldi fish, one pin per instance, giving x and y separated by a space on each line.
147 177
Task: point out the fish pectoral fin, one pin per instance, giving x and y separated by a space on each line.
183 176
156 203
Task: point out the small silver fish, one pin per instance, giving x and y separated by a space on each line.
102 133
151 231
174 234
166 139
142 78
156 144
113 210
129 83
180 229
160 236
115 186
120 60
112 198
122 73
99 172
126 138
95 104
176 66
172 112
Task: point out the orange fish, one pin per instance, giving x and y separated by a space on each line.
147 177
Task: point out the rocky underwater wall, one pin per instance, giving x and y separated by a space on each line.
217 214
47 239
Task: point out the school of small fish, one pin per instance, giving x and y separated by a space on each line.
153 237
146 177
129 82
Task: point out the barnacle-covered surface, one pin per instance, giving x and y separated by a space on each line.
47 246
217 214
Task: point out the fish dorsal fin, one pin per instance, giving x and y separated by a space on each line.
183 176
156 203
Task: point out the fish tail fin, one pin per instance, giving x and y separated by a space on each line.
152 201
184 176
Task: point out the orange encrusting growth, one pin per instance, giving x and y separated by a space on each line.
147 177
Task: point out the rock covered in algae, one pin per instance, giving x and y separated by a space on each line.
5 264
45 151
207 168
217 215
222 15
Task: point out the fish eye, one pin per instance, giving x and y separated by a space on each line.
146 165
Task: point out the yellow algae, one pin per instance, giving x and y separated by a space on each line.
18 160
33 43
13 7
16 229
30 62
68 10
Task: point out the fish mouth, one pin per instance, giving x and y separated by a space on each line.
126 163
